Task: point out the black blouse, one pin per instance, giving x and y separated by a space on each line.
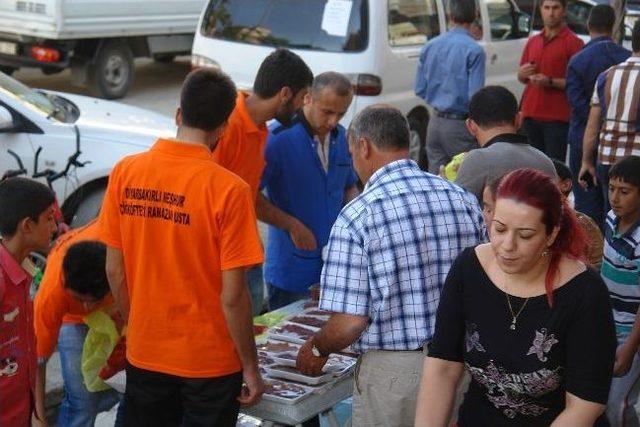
519 377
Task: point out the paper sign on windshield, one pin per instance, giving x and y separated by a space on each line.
335 19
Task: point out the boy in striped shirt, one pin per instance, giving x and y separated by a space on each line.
620 271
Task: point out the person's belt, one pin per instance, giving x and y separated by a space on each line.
450 115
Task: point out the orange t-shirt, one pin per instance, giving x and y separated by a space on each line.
53 305
180 220
241 148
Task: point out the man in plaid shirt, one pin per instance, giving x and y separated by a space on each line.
388 256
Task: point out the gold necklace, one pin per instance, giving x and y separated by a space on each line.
514 317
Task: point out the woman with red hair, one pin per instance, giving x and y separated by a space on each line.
530 321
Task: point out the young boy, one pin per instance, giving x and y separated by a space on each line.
27 223
74 285
620 273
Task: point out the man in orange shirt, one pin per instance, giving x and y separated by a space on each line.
180 231
74 285
279 88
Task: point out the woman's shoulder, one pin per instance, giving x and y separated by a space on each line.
581 278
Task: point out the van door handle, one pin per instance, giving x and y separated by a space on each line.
494 58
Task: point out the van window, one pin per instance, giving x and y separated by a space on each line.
294 24
577 16
412 22
503 19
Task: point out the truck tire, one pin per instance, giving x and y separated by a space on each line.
418 123
88 208
111 73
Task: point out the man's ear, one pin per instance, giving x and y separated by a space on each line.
366 147
178 117
472 126
285 94
25 226
565 186
308 98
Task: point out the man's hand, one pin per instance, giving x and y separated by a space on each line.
307 363
624 358
539 80
252 388
583 179
301 236
525 71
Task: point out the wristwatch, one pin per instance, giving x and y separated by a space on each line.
550 81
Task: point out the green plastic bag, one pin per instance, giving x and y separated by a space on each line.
98 345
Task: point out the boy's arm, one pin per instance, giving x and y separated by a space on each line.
117 281
627 351
41 376
236 306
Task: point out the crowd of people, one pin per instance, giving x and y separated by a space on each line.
481 299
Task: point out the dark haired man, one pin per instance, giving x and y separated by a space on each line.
379 281
27 223
308 179
494 121
278 92
180 231
73 286
542 69
583 70
450 70
613 126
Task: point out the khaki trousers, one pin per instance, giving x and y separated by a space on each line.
386 388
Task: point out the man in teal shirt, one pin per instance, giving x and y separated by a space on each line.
308 179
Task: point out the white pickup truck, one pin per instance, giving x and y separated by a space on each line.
58 129
97 39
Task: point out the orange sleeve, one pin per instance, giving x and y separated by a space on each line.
228 148
50 306
240 242
109 219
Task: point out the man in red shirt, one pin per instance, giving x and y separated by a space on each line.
543 66
27 223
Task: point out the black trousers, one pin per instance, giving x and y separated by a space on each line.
155 399
548 137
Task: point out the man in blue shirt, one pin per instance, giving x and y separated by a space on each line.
450 70
308 178
583 70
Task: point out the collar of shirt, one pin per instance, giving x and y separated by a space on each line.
461 31
566 31
511 138
248 125
176 147
388 169
599 40
616 234
633 58
13 270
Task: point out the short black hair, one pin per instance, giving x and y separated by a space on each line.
22 198
282 68
627 170
83 268
385 127
493 106
635 37
562 169
601 18
562 2
462 11
207 99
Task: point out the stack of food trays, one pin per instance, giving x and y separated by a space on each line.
277 359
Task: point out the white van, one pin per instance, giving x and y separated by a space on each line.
376 43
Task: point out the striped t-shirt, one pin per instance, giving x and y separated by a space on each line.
617 92
620 272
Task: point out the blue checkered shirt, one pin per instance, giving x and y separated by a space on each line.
390 250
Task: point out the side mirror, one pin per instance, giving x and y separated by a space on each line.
524 23
6 120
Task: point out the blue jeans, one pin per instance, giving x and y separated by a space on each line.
256 288
279 297
79 406
590 202
602 174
